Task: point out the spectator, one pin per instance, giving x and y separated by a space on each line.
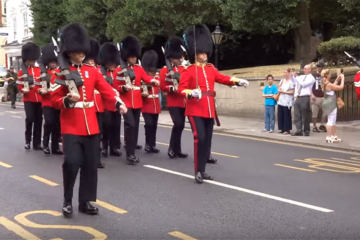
330 102
268 93
285 102
317 98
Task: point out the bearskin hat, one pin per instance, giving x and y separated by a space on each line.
94 51
149 61
30 51
202 36
48 55
173 48
109 54
130 47
73 38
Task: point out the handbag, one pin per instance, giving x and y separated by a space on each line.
339 103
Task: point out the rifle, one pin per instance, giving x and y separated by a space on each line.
28 80
144 86
45 77
357 62
129 74
72 78
106 77
171 76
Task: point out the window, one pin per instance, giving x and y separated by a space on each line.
26 29
14 27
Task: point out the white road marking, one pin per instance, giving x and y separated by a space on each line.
1 128
16 117
280 199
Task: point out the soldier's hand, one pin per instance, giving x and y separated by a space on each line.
25 91
73 98
155 82
127 88
123 109
42 91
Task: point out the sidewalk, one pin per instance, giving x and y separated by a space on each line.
349 132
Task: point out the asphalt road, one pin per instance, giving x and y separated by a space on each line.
262 190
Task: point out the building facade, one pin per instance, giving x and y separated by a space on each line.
3 33
18 21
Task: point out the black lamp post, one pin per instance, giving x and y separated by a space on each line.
217 37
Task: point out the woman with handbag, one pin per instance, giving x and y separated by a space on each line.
285 102
331 103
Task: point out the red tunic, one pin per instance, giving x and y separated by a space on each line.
46 98
33 95
98 100
174 99
132 98
205 107
81 120
108 105
357 84
151 104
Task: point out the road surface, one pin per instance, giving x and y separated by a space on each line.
262 190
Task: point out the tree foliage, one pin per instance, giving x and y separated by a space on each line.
48 16
92 14
144 18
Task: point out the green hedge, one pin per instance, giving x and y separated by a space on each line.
333 51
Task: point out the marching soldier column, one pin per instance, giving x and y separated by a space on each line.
169 78
79 125
29 84
197 83
129 87
49 64
151 103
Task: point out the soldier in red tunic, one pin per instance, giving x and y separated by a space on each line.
29 74
175 101
93 59
151 103
130 92
79 125
197 83
51 114
109 59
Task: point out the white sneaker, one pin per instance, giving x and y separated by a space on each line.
271 131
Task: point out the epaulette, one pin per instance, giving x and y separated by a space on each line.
209 65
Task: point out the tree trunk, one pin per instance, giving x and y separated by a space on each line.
329 30
305 34
297 41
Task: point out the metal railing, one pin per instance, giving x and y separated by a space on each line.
351 110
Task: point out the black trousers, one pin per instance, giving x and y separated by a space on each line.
131 131
284 118
177 115
202 129
51 127
99 116
33 112
111 130
81 152
151 121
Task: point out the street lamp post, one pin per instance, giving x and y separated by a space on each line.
217 37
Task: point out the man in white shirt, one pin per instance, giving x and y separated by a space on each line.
302 107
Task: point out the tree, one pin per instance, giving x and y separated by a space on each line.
48 16
92 14
145 19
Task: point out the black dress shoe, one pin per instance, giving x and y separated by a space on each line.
212 160
299 133
206 176
115 152
138 147
38 148
27 146
88 209
13 106
198 177
149 149
132 159
101 164
67 209
155 150
182 155
57 152
171 153
104 153
307 134
46 150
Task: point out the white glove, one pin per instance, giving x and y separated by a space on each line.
196 93
243 82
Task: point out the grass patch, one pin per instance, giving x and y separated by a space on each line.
275 70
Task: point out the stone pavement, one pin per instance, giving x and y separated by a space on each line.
349 132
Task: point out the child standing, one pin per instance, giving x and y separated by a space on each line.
268 93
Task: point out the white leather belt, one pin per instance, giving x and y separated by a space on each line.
96 92
153 96
84 104
136 88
